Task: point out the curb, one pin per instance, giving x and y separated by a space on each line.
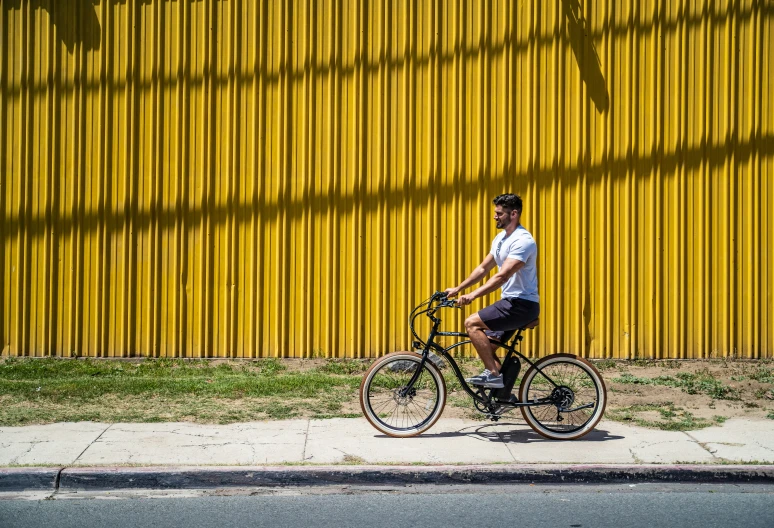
20 479
113 478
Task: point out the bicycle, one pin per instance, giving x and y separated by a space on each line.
561 396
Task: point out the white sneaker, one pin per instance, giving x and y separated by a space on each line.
487 379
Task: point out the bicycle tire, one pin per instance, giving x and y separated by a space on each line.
569 372
392 414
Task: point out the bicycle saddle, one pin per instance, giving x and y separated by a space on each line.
532 324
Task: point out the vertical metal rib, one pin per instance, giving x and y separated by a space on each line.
5 178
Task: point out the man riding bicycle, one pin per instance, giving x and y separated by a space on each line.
515 253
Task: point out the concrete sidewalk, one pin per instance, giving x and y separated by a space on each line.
353 442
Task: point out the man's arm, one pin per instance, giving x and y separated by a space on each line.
475 276
509 267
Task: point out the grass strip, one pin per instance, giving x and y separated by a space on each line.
53 390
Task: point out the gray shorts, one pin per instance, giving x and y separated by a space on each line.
508 315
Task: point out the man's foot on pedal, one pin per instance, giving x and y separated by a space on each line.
487 379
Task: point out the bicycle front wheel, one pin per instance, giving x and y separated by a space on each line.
394 409
572 393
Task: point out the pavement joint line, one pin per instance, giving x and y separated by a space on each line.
306 439
507 446
88 446
703 445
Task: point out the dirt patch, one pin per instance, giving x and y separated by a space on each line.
681 395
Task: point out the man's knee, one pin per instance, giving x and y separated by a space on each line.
474 322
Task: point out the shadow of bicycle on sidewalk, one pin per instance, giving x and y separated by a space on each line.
520 434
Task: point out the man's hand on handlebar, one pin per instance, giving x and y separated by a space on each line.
466 299
451 293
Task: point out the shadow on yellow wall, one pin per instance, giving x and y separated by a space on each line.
76 21
586 55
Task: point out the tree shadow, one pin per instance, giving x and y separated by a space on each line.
76 21
586 55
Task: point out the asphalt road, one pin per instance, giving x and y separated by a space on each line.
573 506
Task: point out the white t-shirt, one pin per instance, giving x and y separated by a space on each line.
520 246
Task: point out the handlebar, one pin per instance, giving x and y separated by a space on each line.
444 301
428 308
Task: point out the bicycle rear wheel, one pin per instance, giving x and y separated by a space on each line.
577 396
390 407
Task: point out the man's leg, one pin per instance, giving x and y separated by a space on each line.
485 348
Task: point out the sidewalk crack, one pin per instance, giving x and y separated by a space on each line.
637 460
93 442
30 448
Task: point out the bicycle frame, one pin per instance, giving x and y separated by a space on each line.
430 344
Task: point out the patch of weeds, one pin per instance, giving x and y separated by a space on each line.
269 366
605 364
719 419
770 415
646 415
338 415
702 382
281 411
762 374
353 459
654 362
763 394
462 402
670 364
667 413
751 405
452 384
331 404
344 367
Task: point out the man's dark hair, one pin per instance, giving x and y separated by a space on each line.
508 201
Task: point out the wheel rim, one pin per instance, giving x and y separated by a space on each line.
575 386
394 408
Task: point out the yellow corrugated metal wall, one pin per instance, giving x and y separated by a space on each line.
236 178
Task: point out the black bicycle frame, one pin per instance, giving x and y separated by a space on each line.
444 352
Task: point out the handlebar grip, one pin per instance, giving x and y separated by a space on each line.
439 296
